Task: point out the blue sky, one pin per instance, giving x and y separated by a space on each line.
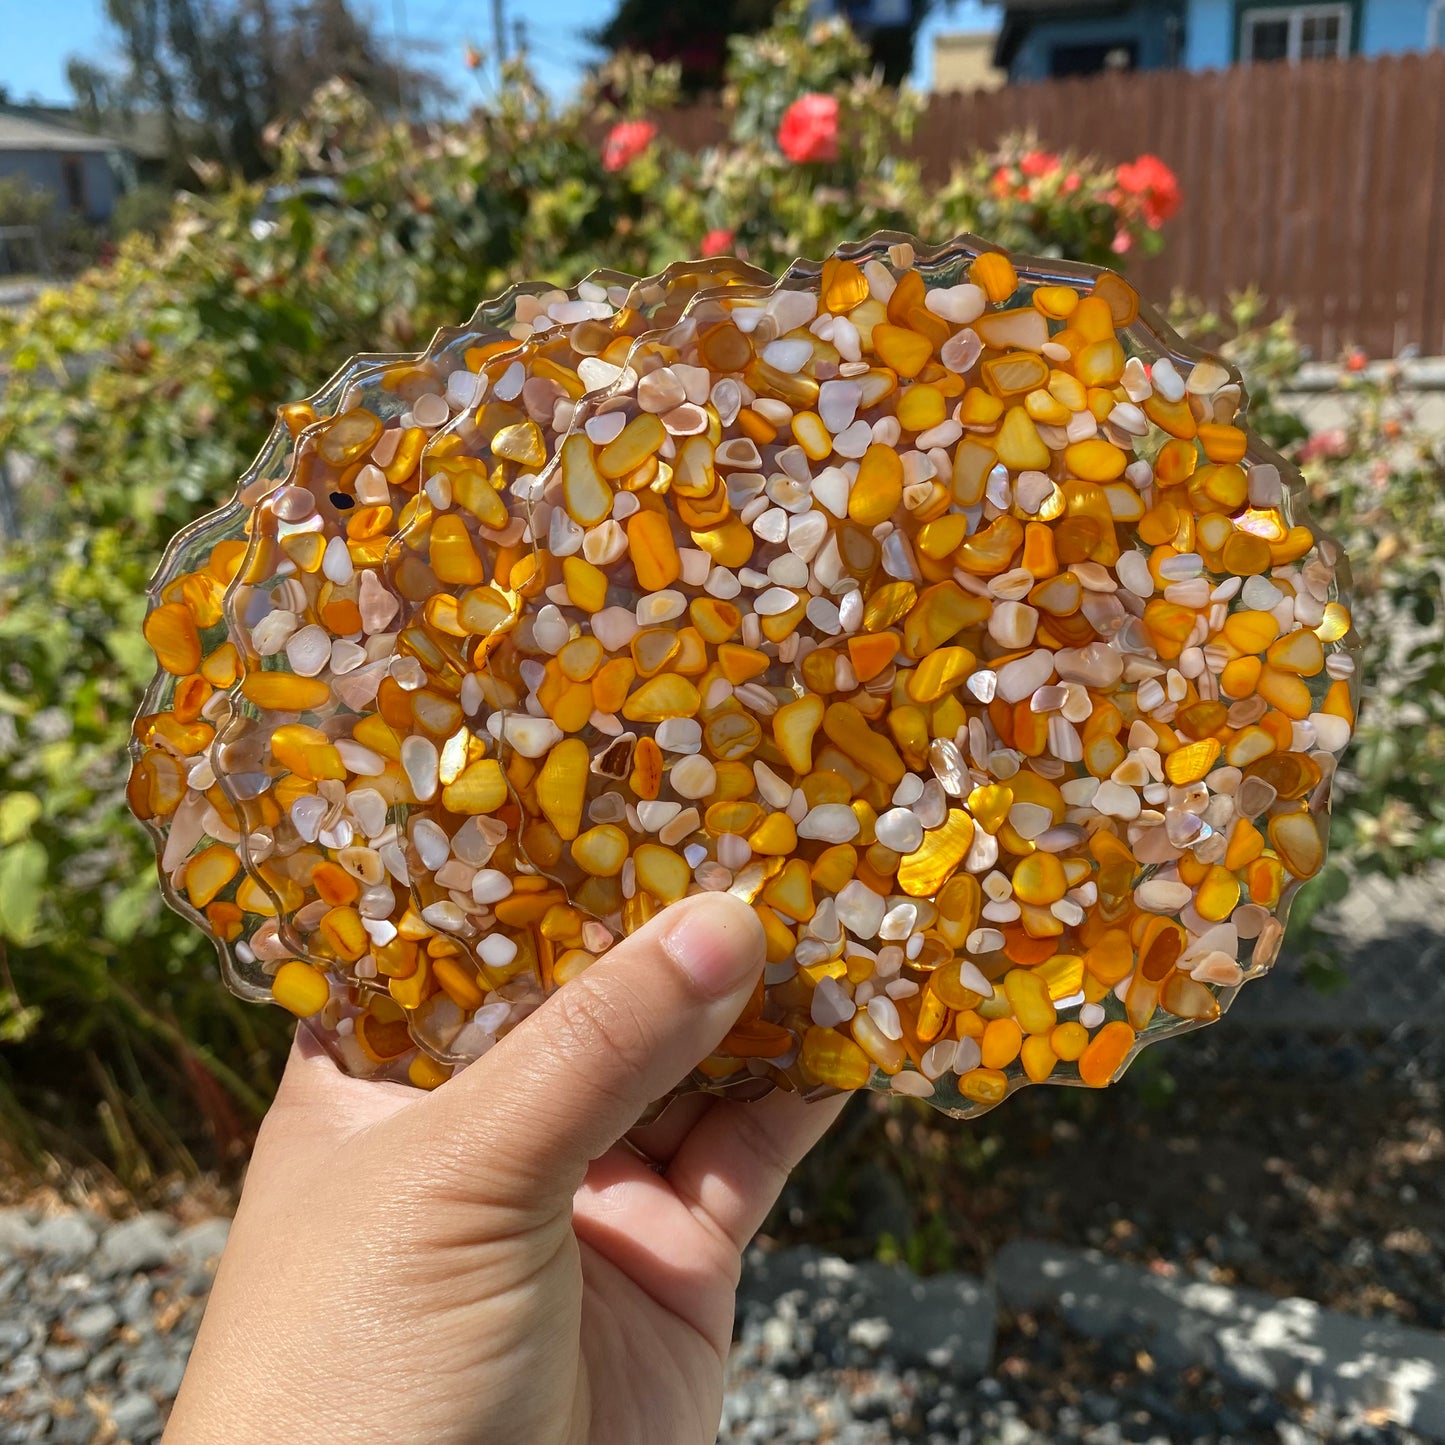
39 38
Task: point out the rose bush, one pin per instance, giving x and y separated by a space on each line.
136 396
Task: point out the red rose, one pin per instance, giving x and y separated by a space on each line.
625 142
1039 163
1071 183
472 57
1156 186
809 131
1357 360
717 242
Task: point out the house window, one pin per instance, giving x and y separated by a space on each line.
72 178
1294 32
1092 57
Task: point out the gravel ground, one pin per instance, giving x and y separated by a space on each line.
97 1318
795 1378
96 1321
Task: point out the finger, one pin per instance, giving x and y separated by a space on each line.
733 1165
567 1082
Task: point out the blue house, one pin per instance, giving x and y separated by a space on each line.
84 173
1050 39
1230 32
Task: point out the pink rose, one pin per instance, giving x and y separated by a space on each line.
625 142
1328 445
718 242
809 131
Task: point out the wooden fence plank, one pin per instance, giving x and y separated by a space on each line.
1322 183
1432 184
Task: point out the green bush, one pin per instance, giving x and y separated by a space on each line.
144 208
1377 483
23 204
139 393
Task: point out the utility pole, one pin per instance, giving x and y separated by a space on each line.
499 36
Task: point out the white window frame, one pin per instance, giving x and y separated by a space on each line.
1295 15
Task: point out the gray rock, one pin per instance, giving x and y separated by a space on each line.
69 1386
77 1429
1254 1338
17 1233
62 1359
136 1417
198 1281
93 1324
140 1243
201 1244
66 1237
135 1303
14 1336
872 1334
102 1364
159 1373
24 1371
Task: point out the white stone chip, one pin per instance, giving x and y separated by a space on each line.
496 950
831 1005
830 822
958 304
900 830
1163 895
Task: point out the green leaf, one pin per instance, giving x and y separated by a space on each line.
22 878
130 909
17 812
130 650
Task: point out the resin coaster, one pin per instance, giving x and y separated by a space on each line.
936 603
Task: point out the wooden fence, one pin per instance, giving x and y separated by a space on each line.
1322 184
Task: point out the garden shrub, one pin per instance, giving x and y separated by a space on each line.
139 393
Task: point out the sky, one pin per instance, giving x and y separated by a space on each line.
38 41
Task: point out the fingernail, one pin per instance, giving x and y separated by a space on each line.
718 943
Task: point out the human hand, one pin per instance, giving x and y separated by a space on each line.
487 1263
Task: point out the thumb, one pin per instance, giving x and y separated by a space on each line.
569 1081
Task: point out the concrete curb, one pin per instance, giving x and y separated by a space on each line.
1279 1344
